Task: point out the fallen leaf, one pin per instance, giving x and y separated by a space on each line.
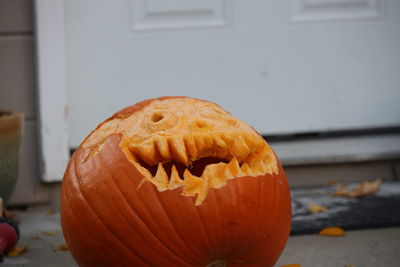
332 231
363 189
350 265
51 212
291 265
315 208
62 247
16 251
49 232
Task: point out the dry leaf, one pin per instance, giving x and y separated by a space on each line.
16 251
363 189
291 265
332 231
350 265
49 232
62 247
315 208
51 212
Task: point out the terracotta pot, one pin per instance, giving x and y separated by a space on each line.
10 140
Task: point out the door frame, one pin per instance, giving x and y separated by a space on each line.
51 88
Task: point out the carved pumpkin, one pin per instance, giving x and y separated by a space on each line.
175 181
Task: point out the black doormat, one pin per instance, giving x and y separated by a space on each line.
375 211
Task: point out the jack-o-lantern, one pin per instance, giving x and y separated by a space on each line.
175 181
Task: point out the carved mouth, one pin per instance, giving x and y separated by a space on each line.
201 162
197 147
196 168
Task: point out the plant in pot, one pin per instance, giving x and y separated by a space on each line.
10 140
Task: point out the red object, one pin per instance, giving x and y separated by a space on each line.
8 236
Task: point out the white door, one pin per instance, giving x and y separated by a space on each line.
283 66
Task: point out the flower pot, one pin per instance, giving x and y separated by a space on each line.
10 140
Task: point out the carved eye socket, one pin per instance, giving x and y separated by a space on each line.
156 117
159 121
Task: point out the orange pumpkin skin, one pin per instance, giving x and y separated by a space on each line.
109 220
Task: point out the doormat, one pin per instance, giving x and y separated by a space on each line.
375 211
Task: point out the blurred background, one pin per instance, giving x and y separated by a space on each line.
320 79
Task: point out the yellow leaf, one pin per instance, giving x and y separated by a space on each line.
16 251
51 212
332 231
315 208
363 189
49 232
62 247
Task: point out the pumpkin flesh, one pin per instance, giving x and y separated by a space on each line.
176 182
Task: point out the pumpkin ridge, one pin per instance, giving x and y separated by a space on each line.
177 232
111 233
201 222
124 199
73 219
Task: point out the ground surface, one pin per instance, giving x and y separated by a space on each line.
363 248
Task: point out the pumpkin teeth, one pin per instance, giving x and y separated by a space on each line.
234 168
259 168
201 146
178 149
194 186
163 147
161 178
190 146
220 147
246 169
219 141
216 175
175 181
240 148
146 152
